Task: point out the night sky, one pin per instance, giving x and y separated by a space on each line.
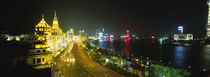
139 16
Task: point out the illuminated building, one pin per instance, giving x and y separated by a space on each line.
55 26
127 33
51 35
82 35
72 31
100 35
183 36
180 29
126 36
106 37
81 32
56 36
102 29
111 37
37 54
19 37
42 30
41 61
208 25
153 37
70 34
92 38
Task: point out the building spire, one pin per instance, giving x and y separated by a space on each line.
42 16
55 17
55 21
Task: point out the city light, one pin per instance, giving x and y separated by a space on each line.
63 46
180 29
134 35
17 38
153 37
111 36
8 38
107 60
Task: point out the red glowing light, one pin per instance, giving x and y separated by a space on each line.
153 37
127 50
127 31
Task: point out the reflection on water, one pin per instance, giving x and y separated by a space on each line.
127 50
192 57
179 56
206 58
103 44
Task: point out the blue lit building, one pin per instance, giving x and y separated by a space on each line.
182 36
180 29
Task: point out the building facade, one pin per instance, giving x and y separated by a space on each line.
57 35
42 30
208 25
51 35
183 36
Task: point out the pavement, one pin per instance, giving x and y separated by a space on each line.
73 62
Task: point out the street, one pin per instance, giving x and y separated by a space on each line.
73 62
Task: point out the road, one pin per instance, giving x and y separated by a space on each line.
75 63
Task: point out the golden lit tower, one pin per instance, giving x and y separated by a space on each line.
42 30
208 25
55 25
55 21
56 34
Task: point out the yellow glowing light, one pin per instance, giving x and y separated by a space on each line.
9 38
41 46
49 49
137 59
92 50
142 65
55 22
17 38
107 60
121 62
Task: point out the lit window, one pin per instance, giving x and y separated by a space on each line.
55 22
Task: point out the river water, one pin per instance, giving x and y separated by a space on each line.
193 57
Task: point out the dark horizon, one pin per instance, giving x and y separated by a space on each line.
115 16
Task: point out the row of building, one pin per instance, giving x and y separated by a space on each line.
39 48
52 35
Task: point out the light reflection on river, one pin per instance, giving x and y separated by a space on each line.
179 56
195 58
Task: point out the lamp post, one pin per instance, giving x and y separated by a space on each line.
51 70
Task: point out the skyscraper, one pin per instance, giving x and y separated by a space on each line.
180 29
208 25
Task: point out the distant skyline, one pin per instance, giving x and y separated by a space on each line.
115 16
